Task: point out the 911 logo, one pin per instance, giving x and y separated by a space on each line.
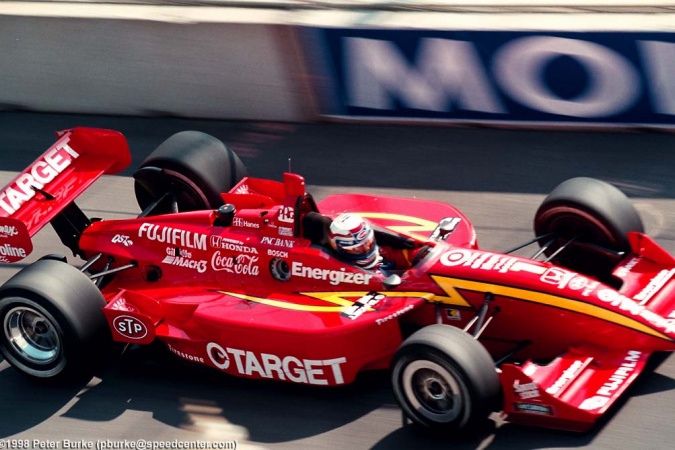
130 327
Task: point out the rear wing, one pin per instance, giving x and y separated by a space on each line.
63 172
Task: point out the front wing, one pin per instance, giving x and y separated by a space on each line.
572 391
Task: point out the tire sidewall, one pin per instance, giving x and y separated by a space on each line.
460 358
404 392
72 305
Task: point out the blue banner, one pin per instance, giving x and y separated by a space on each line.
494 76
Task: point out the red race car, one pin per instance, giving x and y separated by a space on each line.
236 273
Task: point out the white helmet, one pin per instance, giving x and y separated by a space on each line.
354 240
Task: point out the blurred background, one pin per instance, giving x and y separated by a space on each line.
486 104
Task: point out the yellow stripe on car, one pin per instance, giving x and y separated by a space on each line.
450 286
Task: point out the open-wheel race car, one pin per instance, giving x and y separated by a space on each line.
234 272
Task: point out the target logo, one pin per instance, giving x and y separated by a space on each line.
218 356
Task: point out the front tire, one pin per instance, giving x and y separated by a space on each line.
52 323
444 379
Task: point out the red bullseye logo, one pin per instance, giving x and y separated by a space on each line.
130 327
218 355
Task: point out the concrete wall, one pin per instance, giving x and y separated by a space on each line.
148 60
300 63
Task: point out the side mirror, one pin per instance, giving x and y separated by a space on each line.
392 281
444 228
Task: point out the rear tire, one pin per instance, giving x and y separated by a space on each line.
445 380
195 166
52 323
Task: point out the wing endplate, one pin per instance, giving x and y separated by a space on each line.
572 391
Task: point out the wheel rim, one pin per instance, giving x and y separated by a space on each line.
31 335
432 391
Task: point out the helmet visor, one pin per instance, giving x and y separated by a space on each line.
348 247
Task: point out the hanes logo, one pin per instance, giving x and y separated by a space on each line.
240 222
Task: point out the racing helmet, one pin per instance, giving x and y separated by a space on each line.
354 240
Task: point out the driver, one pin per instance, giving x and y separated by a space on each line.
353 239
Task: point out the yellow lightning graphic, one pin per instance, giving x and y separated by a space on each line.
420 225
450 286
285 305
340 299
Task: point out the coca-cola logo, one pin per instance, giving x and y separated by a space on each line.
240 264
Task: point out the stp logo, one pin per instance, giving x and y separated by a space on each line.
130 327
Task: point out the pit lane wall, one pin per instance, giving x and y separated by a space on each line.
499 67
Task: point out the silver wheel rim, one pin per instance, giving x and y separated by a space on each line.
432 391
32 336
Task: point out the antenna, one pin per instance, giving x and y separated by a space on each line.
289 166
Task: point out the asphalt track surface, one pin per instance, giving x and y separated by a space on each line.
497 177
